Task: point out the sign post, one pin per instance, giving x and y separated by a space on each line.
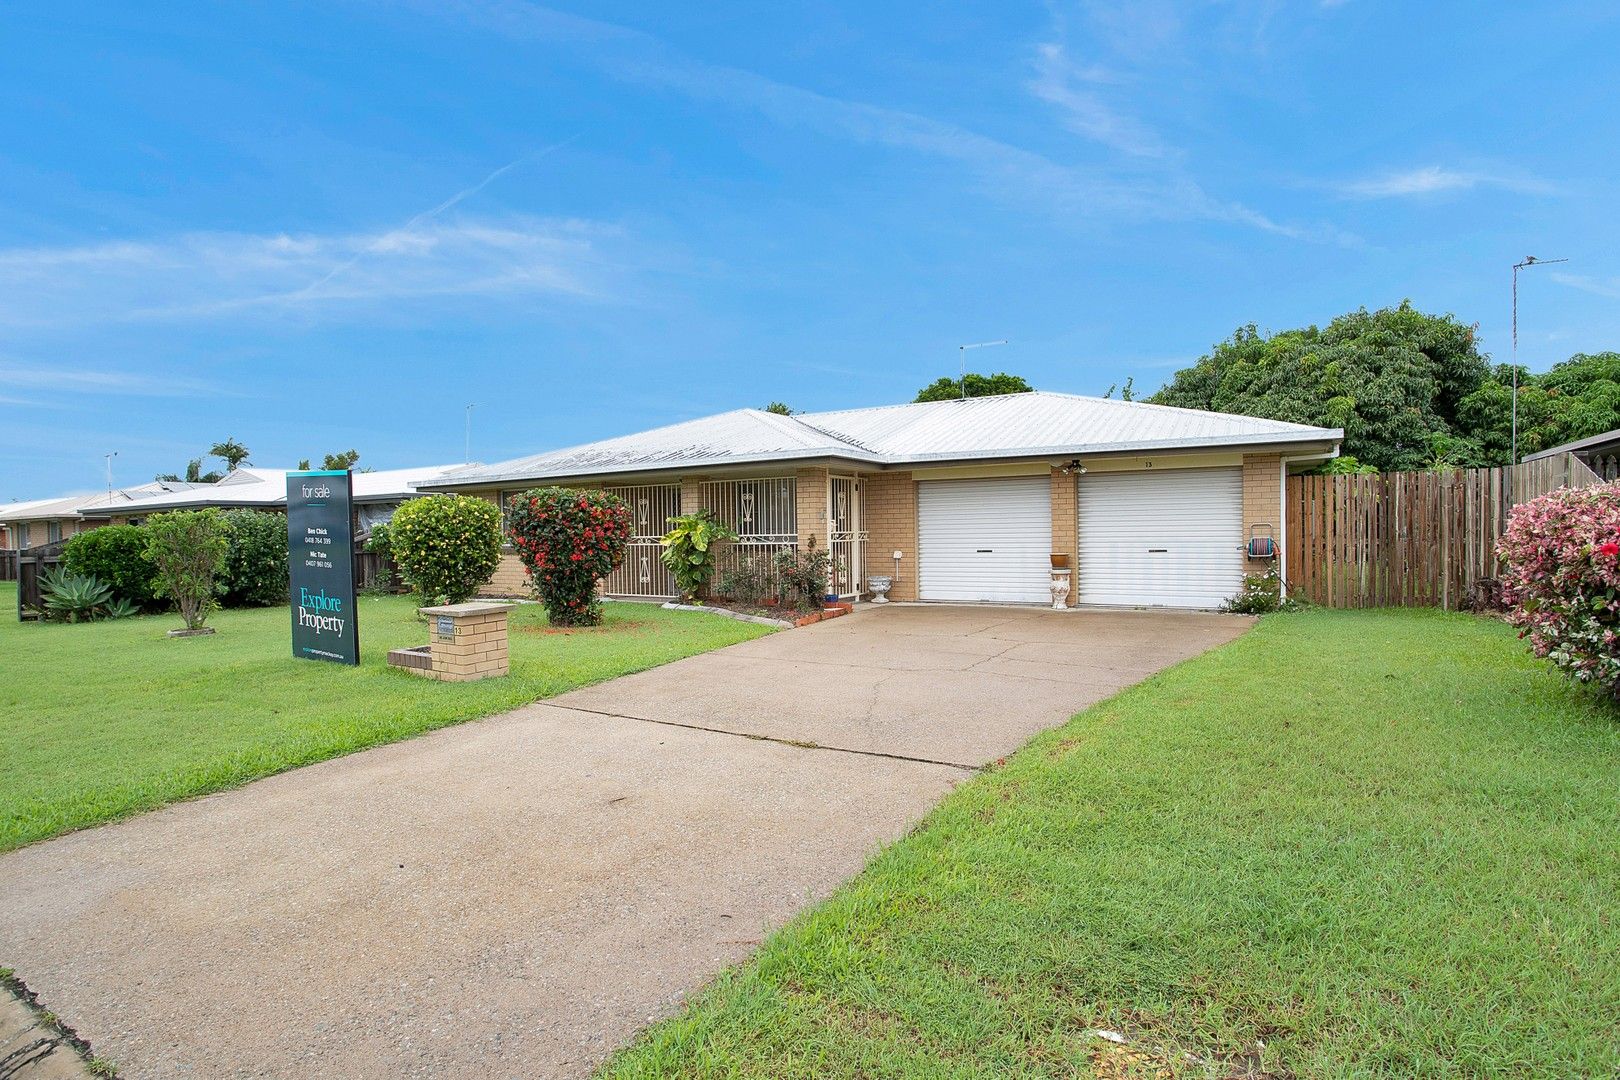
320 566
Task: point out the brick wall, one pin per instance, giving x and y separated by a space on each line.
1262 499
811 507
890 506
1065 524
511 578
477 649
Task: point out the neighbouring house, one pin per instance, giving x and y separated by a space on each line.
1600 453
376 496
46 521
966 501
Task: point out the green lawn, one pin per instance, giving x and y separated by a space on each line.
101 720
1377 843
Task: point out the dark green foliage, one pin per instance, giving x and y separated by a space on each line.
689 550
949 389
233 453
446 546
70 597
1410 390
256 561
780 408
116 555
1577 398
803 575
1393 379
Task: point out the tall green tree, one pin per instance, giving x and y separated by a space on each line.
1395 380
780 408
946 388
1578 398
233 453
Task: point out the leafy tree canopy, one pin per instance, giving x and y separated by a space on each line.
946 388
780 408
233 453
1394 380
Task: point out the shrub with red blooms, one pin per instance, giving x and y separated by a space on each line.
1562 582
569 540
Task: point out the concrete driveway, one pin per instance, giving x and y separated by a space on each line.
518 896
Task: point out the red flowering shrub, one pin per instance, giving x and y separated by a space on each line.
1562 582
569 540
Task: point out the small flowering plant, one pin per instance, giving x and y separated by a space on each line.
569 540
1562 580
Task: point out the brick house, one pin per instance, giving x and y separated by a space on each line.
964 501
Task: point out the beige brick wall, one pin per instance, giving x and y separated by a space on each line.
511 578
691 494
811 503
1065 523
1262 499
890 507
477 651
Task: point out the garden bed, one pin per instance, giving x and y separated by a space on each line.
766 614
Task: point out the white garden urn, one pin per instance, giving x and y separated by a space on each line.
1060 590
880 584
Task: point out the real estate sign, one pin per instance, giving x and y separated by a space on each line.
320 566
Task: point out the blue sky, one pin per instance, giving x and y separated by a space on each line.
316 226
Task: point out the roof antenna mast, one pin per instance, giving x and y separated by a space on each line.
961 356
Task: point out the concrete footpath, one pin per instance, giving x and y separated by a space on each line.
518 896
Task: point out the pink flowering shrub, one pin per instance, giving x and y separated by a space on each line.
1562 581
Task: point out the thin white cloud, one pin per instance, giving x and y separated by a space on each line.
200 275
1607 287
65 379
1071 88
1436 180
1002 170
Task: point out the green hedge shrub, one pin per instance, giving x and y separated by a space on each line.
569 540
188 548
446 546
256 562
115 554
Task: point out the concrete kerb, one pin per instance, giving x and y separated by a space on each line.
727 613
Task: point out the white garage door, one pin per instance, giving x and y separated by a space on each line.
1171 538
985 539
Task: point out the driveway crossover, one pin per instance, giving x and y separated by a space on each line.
517 896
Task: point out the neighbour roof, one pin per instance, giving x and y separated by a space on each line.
1591 442
1033 424
251 486
97 505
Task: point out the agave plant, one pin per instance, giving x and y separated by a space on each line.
73 597
122 607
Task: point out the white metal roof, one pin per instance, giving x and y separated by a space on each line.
99 504
1034 424
251 486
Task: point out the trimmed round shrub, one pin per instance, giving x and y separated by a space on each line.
446 546
1562 582
256 561
569 540
115 554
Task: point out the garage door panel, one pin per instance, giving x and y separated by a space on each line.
984 540
1195 518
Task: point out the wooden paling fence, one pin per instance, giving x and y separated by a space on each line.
1409 539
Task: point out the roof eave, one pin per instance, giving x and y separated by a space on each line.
489 479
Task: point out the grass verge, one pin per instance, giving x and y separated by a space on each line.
1347 844
102 720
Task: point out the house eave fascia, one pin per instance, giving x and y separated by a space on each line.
651 470
1326 438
